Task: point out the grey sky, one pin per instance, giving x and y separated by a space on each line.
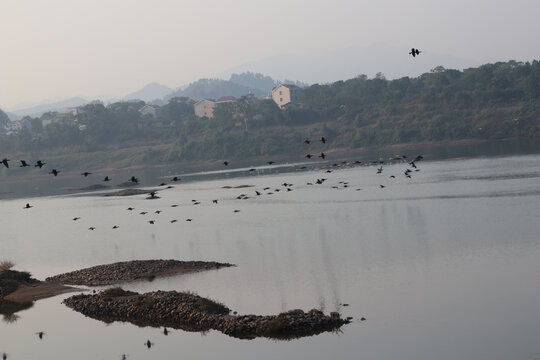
96 48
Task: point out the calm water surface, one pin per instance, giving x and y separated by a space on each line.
443 266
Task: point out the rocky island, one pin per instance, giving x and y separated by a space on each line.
190 312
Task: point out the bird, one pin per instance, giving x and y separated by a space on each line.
54 172
414 52
307 141
40 334
115 227
91 228
107 178
379 169
152 195
158 212
148 344
214 201
165 331
236 211
133 179
76 218
176 178
86 173
392 176
39 164
309 156
173 221
5 162
258 193
4 356
23 163
123 357
382 186
151 222
252 169
27 206
323 139
322 156
225 163
189 219
174 205
270 162
143 213
130 208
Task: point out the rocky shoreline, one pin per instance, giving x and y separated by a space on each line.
190 312
132 270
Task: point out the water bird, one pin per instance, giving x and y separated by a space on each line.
76 218
307 141
158 212
143 213
86 173
162 184
28 206
309 156
107 178
328 171
323 139
379 170
23 164
382 186
115 227
323 155
151 222
236 211
123 357
165 331
414 52
252 169
225 163
40 334
152 195
4 356
266 188
257 193
148 344
214 201
5 162
174 205
270 162
133 179
176 178
91 228
39 164
54 172
173 221
130 208
392 176
189 219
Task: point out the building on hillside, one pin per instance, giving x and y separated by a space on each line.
285 94
153 111
205 108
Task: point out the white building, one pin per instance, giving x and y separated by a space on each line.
285 94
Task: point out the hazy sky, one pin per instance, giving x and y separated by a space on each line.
98 48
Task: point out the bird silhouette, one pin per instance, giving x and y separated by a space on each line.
158 212
176 178
54 172
76 218
323 139
258 193
174 205
133 179
214 201
86 173
189 219
152 195
40 164
28 206
23 164
270 162
40 334
165 331
130 208
236 211
143 213
115 227
307 141
92 228
107 178
173 221
4 356
382 186
148 344
5 162
414 52
322 156
309 156
225 163
379 170
151 222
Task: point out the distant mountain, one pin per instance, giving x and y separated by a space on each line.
150 92
213 89
341 64
4 118
12 116
38 110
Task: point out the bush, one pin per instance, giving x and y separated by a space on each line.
115 292
211 306
6 265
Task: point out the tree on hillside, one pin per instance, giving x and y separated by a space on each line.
4 119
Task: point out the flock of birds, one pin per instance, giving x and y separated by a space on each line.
269 191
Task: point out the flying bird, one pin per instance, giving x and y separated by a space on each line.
323 139
307 141
39 164
54 172
5 162
107 178
414 52
23 164
225 163
86 173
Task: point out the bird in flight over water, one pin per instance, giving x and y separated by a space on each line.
414 52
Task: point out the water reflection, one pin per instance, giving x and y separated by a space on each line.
8 309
